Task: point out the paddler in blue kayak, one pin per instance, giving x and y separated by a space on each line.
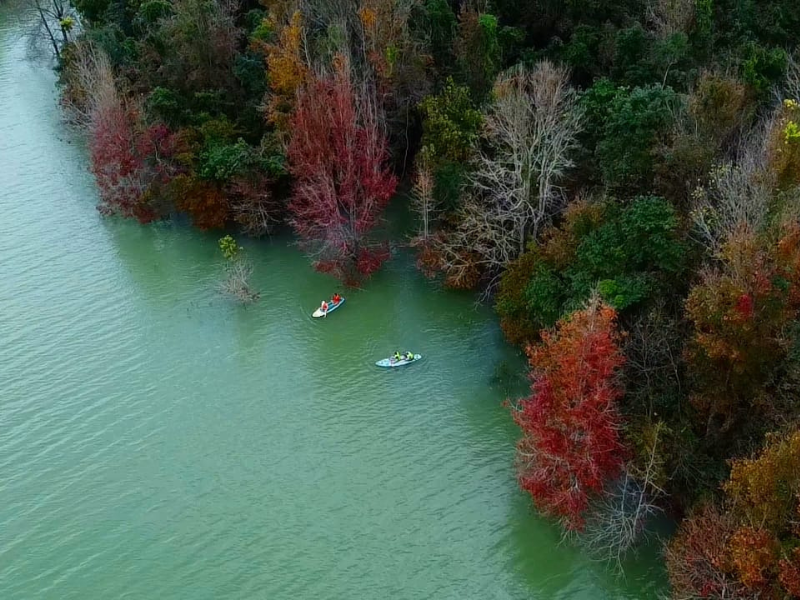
336 299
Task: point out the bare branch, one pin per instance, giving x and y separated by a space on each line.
531 131
237 281
617 521
90 84
57 22
738 194
668 17
791 86
652 348
423 202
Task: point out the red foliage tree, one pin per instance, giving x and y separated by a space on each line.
790 573
571 444
337 154
698 559
128 158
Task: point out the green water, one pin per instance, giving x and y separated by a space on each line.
157 441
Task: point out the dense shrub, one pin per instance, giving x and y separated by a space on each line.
627 253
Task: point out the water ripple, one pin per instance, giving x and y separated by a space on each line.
157 440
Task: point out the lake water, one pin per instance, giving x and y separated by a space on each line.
158 441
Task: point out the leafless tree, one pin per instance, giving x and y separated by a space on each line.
323 13
738 194
617 520
423 202
385 21
668 17
532 130
236 283
254 204
653 352
482 241
255 213
57 21
397 58
530 134
90 84
791 85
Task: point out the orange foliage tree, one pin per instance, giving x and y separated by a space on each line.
749 549
286 67
571 443
203 201
763 492
740 313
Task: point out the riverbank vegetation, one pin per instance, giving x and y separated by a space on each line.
621 178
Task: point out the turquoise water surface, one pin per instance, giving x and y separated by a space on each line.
158 441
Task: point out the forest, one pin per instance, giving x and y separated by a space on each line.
620 179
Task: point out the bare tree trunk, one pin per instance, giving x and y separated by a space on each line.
422 201
43 16
61 14
55 17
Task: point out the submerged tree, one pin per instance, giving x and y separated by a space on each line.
616 519
338 154
238 270
571 447
56 24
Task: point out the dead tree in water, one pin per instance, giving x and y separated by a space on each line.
617 520
57 20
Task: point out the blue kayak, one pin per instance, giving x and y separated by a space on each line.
390 363
331 307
